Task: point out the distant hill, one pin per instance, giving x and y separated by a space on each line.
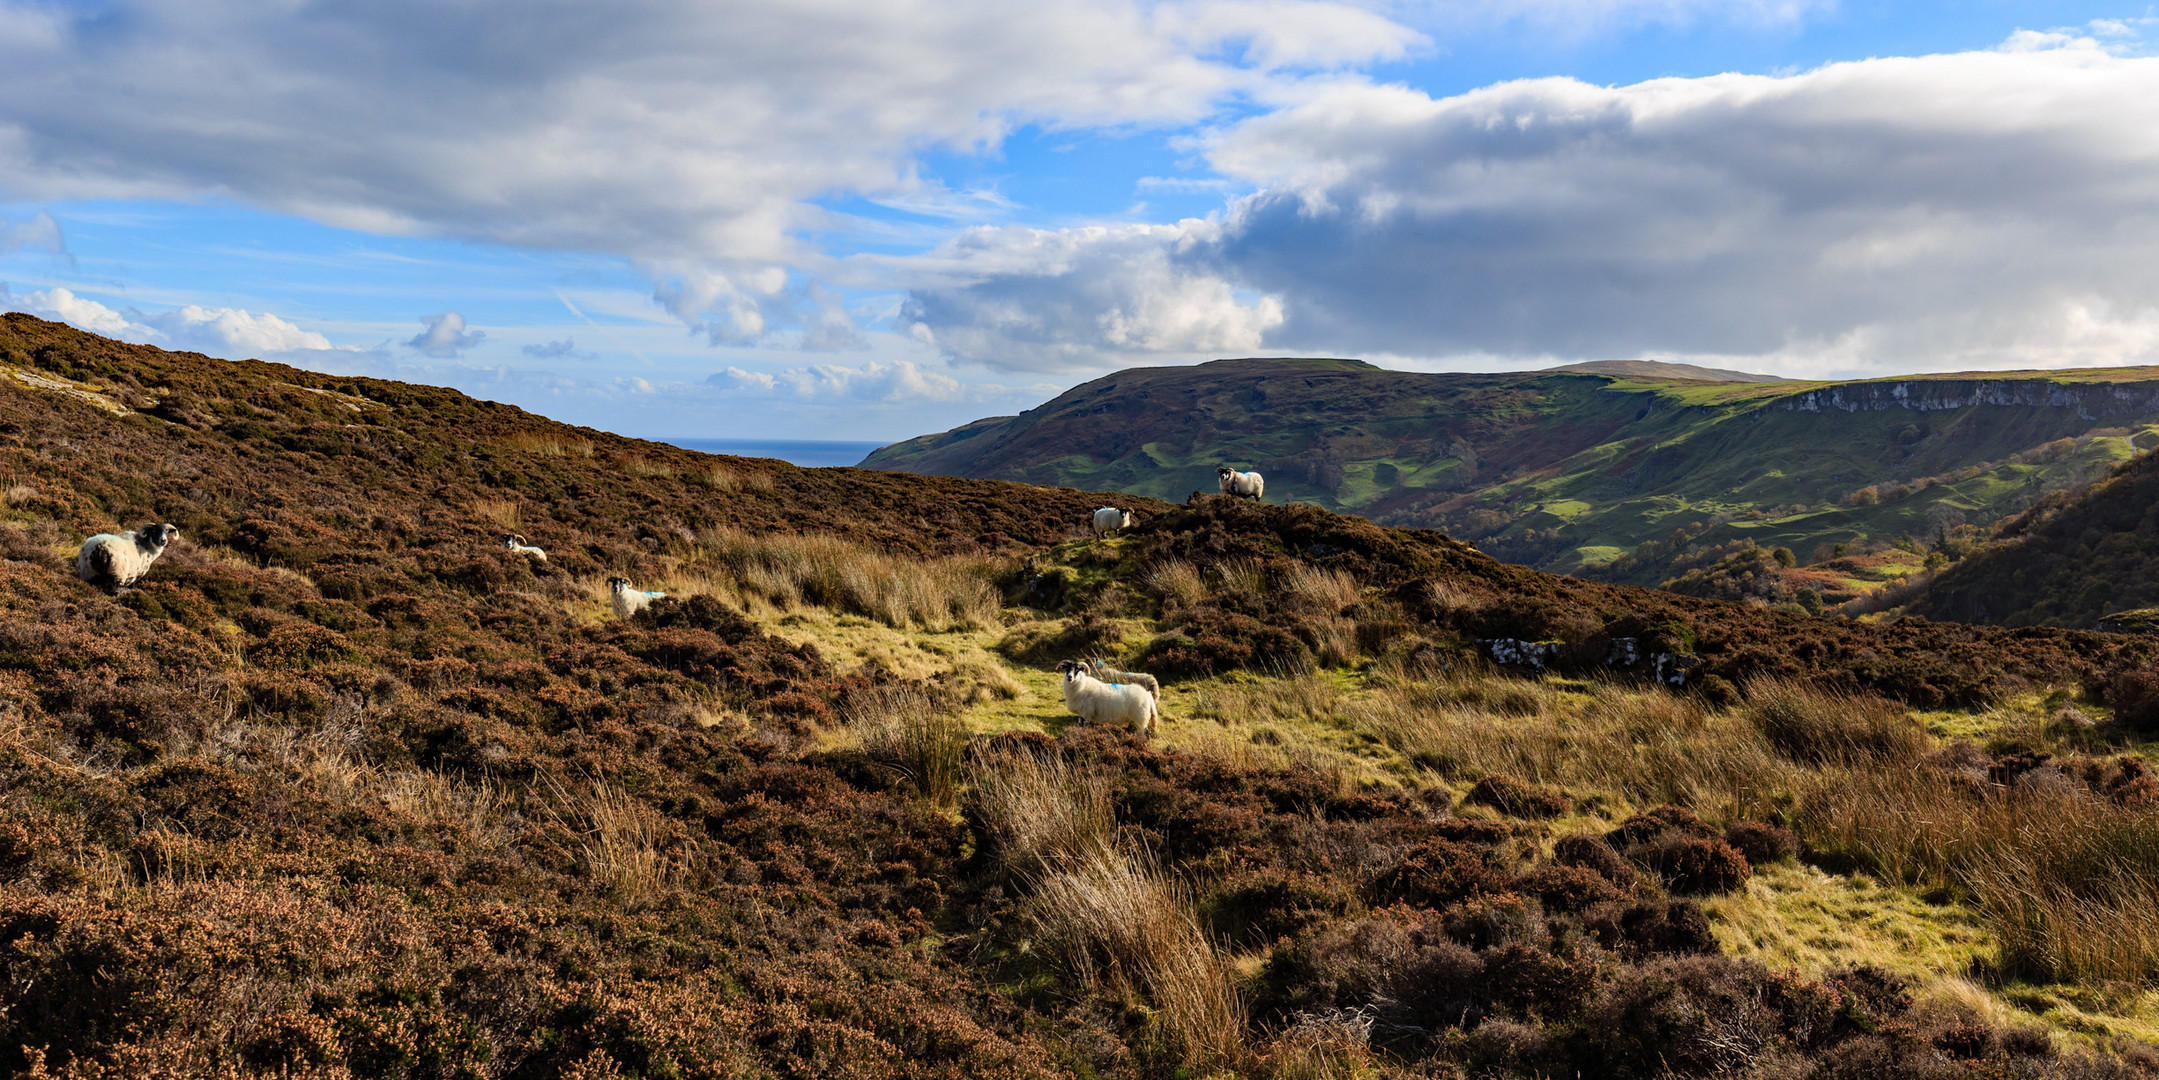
1614 469
1655 369
2073 560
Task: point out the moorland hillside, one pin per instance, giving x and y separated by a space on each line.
345 787
1635 473
2079 558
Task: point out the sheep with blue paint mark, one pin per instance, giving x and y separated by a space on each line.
1098 702
1243 485
629 601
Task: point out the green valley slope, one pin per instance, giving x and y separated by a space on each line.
1571 469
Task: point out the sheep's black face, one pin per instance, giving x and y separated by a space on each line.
618 585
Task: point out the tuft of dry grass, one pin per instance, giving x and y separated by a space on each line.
1645 745
902 729
1449 598
719 478
646 467
1040 813
622 841
1178 580
18 494
1245 576
2068 883
1112 919
547 444
1115 921
1319 590
1816 726
503 512
954 592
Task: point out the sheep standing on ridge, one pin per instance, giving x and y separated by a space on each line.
1112 518
1108 674
113 562
629 601
1098 702
1244 485
517 544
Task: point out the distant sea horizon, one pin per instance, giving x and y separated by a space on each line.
809 453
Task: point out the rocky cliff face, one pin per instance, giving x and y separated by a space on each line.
2091 401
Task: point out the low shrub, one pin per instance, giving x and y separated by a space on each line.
1511 796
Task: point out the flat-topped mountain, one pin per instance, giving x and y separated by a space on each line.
1606 469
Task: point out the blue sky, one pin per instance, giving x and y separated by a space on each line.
866 221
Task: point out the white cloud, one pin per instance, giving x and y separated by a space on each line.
880 381
1042 300
226 332
39 232
648 129
445 336
62 305
1980 209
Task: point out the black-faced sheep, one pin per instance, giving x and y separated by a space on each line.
1112 518
1098 702
517 544
1108 674
629 601
114 561
1244 485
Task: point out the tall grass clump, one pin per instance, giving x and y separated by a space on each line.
1320 590
1037 812
1117 922
902 729
828 571
1647 745
2066 882
547 444
1815 726
622 842
1178 580
1111 918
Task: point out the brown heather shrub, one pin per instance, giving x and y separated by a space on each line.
1590 852
1693 864
1762 842
1513 797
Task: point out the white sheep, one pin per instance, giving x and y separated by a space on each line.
517 544
1098 702
113 562
1244 485
629 601
1112 518
1108 674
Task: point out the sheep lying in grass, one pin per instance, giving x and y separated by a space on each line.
113 562
1108 674
1098 702
517 544
1244 485
629 601
1112 518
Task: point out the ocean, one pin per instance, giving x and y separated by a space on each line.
813 453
